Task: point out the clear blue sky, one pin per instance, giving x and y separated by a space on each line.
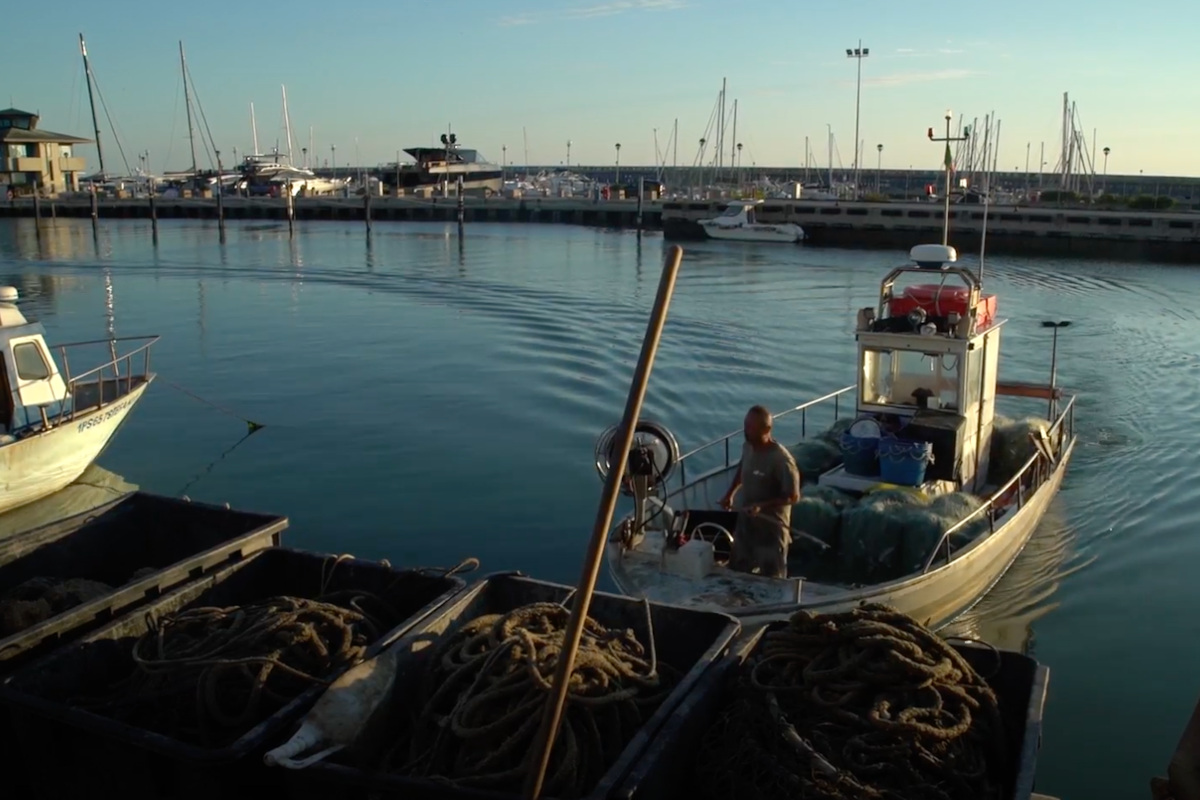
395 73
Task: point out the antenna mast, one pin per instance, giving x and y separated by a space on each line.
87 74
949 165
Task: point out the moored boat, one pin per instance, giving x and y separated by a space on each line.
53 424
738 223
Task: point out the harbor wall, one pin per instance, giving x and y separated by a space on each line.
1032 230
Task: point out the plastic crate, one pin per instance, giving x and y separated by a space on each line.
691 641
178 539
66 751
665 769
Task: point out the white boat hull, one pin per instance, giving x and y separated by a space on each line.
39 465
786 233
935 597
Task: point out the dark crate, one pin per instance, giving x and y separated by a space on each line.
691 641
178 539
65 751
664 770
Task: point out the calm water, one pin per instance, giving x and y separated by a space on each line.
426 398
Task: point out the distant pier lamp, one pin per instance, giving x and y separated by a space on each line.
618 178
879 169
503 161
1104 183
739 163
333 159
857 53
304 152
568 153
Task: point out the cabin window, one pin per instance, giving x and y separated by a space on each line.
732 211
31 366
974 377
890 377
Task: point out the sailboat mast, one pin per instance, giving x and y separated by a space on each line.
187 104
254 129
87 75
311 152
287 123
733 144
829 142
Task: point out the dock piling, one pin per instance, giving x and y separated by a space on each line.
461 209
291 209
641 195
153 218
95 211
367 208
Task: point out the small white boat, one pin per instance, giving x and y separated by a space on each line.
928 529
53 425
737 223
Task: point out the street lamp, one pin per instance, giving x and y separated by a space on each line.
568 153
739 164
503 161
879 169
304 151
618 178
1054 361
333 158
858 53
1104 185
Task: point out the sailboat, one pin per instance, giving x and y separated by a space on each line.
275 173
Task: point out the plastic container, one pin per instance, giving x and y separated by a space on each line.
691 641
67 752
903 462
665 770
169 541
938 301
860 456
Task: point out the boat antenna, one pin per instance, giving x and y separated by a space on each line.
623 441
949 167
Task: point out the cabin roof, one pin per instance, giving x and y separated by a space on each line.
444 154
21 135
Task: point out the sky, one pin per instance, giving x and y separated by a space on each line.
518 79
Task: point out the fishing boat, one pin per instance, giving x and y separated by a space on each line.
924 495
53 424
737 223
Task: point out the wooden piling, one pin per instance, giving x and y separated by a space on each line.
461 207
153 218
367 207
291 209
641 196
95 210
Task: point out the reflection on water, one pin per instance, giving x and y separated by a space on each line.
1005 616
94 488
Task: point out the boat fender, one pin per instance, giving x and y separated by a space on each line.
347 706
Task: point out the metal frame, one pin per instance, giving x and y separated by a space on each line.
98 374
1037 469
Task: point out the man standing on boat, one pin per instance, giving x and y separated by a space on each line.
770 484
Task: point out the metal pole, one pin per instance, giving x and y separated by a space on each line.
153 218
1053 364
641 194
291 209
552 716
462 211
367 206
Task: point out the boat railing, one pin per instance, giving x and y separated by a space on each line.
109 371
719 454
1033 473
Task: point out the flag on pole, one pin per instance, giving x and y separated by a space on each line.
949 158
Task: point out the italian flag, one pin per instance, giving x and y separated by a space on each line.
949 158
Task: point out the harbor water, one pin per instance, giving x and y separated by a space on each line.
426 397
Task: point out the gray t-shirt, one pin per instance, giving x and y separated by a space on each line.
769 474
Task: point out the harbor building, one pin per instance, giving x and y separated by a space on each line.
31 157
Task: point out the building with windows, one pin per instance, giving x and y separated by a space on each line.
31 157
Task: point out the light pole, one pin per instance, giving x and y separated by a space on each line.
304 151
568 153
1104 184
879 169
700 178
333 158
1054 361
739 164
503 161
858 53
618 178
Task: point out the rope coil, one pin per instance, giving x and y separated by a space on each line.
862 704
207 675
487 685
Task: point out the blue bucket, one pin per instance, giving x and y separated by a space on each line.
860 456
903 462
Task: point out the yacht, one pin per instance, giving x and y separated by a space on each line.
441 167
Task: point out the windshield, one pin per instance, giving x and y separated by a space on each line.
896 377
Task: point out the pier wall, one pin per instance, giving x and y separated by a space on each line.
1035 230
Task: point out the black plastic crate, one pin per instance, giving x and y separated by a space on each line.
664 770
169 541
690 641
67 751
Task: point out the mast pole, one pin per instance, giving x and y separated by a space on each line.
287 124
87 75
187 104
254 129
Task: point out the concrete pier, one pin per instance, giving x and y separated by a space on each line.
1034 230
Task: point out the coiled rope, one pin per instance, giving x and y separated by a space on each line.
488 683
208 675
862 704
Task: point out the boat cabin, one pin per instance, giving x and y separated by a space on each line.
740 212
34 388
928 357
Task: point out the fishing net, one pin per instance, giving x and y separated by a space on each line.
862 704
819 513
815 456
1012 446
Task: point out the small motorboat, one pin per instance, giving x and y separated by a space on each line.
738 223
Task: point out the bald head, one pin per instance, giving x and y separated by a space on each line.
757 425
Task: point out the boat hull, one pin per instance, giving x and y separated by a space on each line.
40 465
935 598
783 234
